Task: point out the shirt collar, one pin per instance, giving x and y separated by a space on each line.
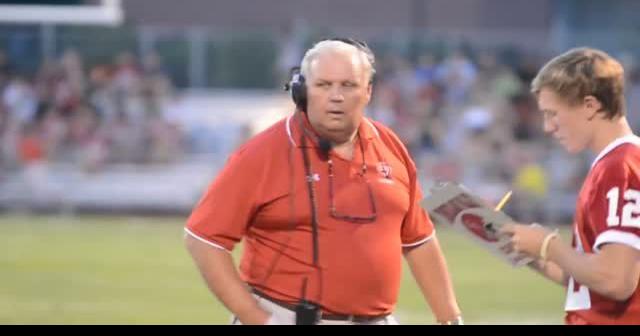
631 138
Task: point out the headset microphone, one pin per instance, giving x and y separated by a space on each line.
324 146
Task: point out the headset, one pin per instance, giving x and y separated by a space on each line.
297 84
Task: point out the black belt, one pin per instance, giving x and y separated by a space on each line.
324 316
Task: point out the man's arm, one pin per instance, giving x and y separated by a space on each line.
613 272
219 272
429 268
551 271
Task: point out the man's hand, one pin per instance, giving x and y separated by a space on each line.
259 317
218 270
525 239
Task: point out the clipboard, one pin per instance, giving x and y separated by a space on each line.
453 205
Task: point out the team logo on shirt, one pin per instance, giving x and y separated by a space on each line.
384 169
315 177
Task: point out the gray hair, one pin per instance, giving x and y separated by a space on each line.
335 45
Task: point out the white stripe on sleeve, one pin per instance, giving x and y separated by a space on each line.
205 241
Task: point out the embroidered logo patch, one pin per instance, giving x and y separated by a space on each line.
384 169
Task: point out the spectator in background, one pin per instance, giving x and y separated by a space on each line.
458 74
156 85
33 159
20 99
73 72
102 95
5 70
425 71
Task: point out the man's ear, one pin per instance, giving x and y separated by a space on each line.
592 106
369 92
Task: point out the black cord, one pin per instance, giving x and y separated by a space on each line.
292 223
308 312
312 200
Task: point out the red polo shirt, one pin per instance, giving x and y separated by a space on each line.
261 195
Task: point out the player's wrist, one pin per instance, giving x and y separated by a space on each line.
544 247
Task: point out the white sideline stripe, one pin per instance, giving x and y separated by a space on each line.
288 126
420 241
205 241
620 237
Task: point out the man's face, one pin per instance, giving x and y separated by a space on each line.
568 124
338 91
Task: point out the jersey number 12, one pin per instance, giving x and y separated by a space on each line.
630 210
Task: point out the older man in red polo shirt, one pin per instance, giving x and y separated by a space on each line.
327 203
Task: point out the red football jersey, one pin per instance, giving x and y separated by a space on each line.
608 211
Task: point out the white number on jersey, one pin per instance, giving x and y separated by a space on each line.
630 210
578 297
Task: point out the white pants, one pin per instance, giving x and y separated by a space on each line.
281 315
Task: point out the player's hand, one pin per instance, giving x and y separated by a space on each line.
525 239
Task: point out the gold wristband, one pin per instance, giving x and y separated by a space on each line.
544 248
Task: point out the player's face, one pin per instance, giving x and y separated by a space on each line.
338 91
567 123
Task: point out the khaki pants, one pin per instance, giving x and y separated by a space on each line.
282 315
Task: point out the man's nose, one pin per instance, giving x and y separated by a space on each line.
549 126
336 94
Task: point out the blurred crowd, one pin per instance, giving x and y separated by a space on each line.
66 113
465 115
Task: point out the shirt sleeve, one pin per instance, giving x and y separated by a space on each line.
222 215
417 227
614 207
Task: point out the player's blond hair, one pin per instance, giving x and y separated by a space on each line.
583 72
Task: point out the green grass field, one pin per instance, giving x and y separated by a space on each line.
130 270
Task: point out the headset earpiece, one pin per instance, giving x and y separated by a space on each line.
298 89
